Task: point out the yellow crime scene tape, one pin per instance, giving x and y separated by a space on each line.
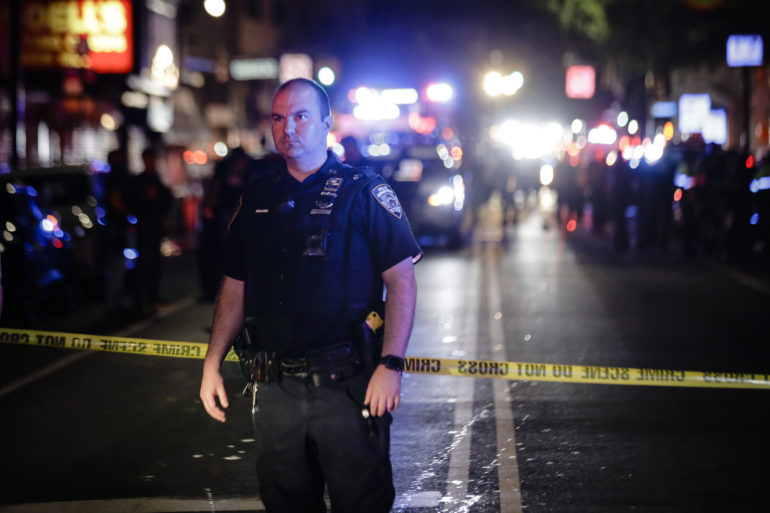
519 371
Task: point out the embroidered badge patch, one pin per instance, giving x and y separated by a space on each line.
387 198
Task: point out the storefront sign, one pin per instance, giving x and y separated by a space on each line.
80 34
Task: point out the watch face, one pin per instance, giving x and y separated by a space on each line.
393 362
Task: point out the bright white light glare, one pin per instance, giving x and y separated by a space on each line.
379 150
365 95
529 141
164 57
220 148
215 8
338 149
546 174
47 225
440 92
458 186
442 151
622 118
547 198
449 162
512 83
445 195
612 157
633 127
326 76
399 96
10 226
493 83
130 253
603 134
576 126
376 111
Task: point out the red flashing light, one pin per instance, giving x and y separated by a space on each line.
57 243
571 225
750 162
678 195
200 157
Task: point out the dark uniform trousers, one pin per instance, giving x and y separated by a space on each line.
308 436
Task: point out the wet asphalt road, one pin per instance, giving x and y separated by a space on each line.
112 432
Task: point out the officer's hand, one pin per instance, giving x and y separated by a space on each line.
384 391
213 387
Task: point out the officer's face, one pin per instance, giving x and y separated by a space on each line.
299 130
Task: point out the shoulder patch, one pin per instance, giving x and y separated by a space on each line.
387 198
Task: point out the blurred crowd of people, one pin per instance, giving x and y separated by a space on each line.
695 199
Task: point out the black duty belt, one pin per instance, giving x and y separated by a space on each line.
325 366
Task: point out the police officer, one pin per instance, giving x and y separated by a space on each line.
306 257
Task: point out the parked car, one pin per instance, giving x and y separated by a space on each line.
432 195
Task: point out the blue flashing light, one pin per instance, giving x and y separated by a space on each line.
59 232
130 253
31 191
760 184
754 218
97 166
131 219
28 247
102 221
49 277
130 264
682 181
99 211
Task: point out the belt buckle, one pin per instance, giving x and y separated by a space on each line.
294 367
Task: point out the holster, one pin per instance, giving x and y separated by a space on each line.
370 337
332 364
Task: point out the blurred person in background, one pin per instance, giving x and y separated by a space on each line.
305 259
353 155
220 198
115 234
151 200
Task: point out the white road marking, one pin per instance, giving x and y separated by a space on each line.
139 505
70 359
508 468
460 456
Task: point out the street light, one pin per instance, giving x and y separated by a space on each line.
496 84
215 8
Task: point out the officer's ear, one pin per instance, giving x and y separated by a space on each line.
328 122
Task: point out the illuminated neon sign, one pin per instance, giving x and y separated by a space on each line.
80 34
580 82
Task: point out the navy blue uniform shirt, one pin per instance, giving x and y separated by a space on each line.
306 302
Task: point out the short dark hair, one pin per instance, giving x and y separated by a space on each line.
323 98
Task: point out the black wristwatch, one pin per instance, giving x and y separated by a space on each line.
392 362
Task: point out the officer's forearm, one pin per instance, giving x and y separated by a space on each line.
228 319
399 307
